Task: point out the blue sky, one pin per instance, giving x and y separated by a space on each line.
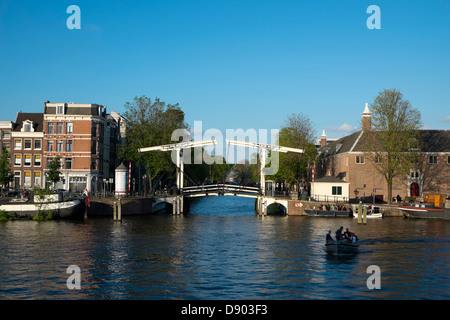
231 64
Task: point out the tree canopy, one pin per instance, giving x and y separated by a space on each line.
393 141
297 132
6 175
150 123
53 170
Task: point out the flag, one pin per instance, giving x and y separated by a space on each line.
86 192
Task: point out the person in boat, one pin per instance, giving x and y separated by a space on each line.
339 233
350 236
329 238
347 235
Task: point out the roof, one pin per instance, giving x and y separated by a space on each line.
435 140
341 145
432 141
330 179
37 118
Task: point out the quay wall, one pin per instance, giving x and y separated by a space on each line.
389 210
130 206
143 206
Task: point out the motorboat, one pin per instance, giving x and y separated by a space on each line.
371 215
342 246
373 212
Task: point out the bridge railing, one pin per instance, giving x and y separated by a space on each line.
327 198
221 187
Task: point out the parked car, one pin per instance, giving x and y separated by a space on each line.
64 192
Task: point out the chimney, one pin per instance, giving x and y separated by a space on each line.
366 118
323 139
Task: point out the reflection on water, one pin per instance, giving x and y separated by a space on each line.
222 250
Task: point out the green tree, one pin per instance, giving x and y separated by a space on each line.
150 123
393 141
6 175
53 170
297 132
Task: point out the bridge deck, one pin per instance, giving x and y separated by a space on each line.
221 190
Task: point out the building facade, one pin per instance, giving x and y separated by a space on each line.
6 128
346 159
85 139
27 139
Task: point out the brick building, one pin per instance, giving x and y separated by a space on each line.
345 159
27 138
85 138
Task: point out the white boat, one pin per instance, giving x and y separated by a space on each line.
370 215
377 212
25 208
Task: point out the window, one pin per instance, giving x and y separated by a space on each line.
60 109
6 134
59 145
68 145
50 145
18 144
37 160
27 127
38 144
448 159
27 144
68 163
94 164
93 147
37 179
59 127
336 190
49 162
415 174
377 159
359 159
27 160
432 160
6 146
51 128
69 127
94 130
17 159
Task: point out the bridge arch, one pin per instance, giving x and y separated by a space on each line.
276 208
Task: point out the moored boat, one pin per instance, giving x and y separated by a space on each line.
371 215
425 213
372 212
328 213
26 208
433 207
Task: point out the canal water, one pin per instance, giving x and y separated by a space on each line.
222 250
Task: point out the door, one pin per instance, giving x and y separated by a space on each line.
414 189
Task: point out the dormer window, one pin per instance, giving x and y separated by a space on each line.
60 109
27 126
